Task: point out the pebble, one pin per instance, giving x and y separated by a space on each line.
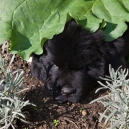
84 113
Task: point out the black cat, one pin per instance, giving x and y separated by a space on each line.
74 60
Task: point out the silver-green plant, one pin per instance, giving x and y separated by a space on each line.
11 104
116 103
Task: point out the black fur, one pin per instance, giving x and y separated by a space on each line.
74 60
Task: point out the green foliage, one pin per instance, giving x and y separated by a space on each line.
116 102
56 122
11 105
29 23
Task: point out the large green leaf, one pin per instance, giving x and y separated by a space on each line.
115 13
29 23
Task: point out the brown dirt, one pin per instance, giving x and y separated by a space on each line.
70 116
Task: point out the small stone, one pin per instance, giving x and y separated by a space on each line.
84 113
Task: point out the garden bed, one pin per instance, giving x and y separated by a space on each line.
66 116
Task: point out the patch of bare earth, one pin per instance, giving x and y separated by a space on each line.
70 116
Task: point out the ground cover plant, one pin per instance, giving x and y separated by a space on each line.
116 103
11 104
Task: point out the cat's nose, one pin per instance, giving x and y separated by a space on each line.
67 90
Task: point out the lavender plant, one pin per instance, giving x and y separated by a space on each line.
11 104
116 103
